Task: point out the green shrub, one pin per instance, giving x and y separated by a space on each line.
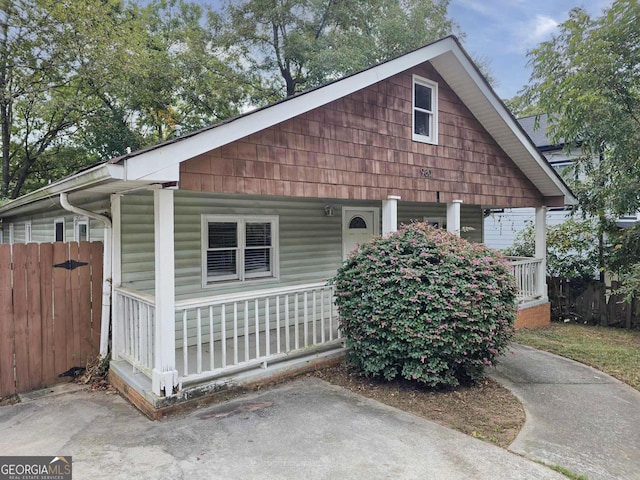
425 305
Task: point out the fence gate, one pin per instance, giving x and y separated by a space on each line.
50 306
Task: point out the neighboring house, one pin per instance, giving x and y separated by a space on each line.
220 242
502 225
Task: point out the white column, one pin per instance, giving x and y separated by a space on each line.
390 214
116 276
541 250
453 216
165 376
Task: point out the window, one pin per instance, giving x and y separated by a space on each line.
437 222
58 225
425 110
239 248
27 231
81 229
357 222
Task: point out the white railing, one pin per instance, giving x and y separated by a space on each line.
134 321
527 271
233 332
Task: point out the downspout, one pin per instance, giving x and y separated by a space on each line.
106 271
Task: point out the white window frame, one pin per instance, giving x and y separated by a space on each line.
11 234
27 231
433 137
241 220
64 229
77 221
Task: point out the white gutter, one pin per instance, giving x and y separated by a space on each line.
106 271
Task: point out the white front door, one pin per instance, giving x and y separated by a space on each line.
359 225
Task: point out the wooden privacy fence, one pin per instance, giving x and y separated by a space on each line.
50 306
593 303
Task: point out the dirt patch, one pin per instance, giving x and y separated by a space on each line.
484 410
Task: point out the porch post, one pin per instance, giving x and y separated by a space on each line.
390 214
116 277
541 250
453 217
165 376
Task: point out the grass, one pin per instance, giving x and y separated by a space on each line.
610 350
564 471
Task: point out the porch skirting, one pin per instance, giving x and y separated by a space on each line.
136 387
534 315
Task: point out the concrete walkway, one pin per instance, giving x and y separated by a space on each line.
577 417
306 429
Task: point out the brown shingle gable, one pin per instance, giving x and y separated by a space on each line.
360 147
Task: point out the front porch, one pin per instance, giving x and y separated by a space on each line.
245 337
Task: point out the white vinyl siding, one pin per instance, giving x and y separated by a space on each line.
425 110
43 226
310 243
502 228
239 247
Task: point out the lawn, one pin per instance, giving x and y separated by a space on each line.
610 350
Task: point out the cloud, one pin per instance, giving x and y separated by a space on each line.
530 33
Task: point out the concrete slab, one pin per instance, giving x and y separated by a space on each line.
305 429
577 417
60 389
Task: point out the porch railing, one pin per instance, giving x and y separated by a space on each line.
527 271
233 332
135 328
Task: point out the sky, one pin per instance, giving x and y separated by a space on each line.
502 31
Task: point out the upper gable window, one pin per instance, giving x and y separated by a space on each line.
425 110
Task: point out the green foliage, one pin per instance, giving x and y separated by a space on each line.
425 305
586 79
293 45
520 106
572 248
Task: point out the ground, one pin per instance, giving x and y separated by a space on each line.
485 410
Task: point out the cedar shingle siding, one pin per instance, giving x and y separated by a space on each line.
360 147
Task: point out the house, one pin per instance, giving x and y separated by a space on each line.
219 243
502 225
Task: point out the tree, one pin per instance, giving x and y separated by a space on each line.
87 80
586 79
294 45
54 56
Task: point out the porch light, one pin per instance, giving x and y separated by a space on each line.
328 210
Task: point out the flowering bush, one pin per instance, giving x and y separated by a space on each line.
425 305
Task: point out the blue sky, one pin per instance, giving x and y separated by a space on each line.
502 31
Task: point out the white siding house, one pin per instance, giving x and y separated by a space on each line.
219 244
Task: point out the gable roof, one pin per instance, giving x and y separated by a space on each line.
161 163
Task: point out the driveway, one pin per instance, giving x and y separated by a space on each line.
306 429
577 417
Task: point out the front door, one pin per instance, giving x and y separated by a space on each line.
359 225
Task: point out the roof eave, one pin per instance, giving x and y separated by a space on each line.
82 180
